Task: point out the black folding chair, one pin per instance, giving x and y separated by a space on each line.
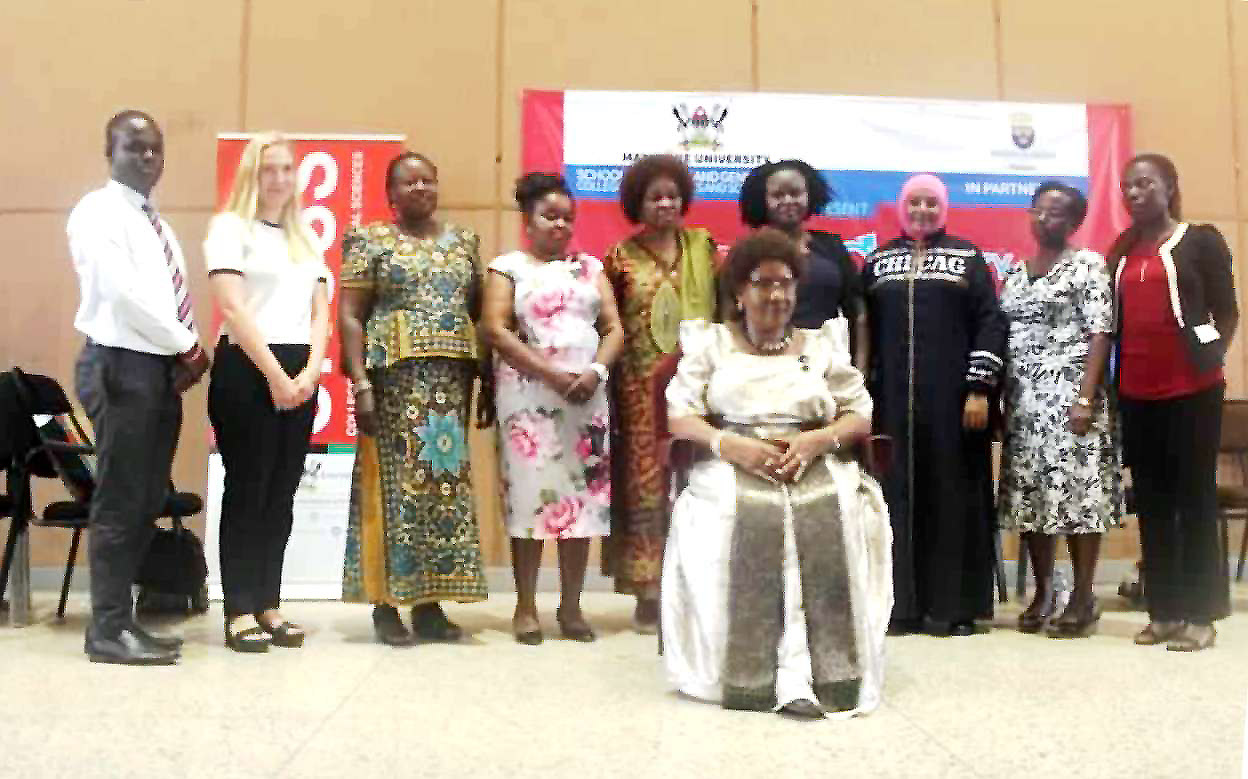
60 441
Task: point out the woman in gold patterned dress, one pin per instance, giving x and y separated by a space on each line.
410 295
662 275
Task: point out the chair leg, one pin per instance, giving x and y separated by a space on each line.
15 527
1003 594
1243 552
69 573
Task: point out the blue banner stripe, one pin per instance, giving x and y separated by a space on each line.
857 192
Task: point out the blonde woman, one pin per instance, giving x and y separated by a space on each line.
272 287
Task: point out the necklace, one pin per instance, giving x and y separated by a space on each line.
769 347
1143 265
665 307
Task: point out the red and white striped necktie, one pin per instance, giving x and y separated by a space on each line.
180 293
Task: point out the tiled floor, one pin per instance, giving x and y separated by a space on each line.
1002 704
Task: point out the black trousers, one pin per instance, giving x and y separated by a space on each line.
262 450
137 415
1171 447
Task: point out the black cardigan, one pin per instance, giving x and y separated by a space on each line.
1202 292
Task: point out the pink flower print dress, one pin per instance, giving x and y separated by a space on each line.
554 453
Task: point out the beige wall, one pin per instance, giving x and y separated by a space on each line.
449 75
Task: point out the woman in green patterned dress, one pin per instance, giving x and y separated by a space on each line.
662 275
410 295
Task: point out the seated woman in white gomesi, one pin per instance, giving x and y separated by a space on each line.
777 580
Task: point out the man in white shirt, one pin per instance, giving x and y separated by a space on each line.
142 352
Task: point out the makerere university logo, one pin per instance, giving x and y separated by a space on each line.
1022 130
701 129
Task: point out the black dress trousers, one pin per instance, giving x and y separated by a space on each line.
137 415
263 450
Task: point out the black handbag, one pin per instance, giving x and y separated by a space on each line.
173 576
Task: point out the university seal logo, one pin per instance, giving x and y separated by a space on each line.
701 129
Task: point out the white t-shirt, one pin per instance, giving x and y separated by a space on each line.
279 290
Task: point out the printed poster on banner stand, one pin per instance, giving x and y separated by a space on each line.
341 179
992 155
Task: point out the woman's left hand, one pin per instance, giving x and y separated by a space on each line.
803 449
1080 418
975 412
583 388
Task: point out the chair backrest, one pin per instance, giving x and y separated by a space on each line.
1235 426
44 402
17 431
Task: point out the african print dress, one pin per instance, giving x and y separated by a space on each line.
653 302
412 536
555 454
1052 480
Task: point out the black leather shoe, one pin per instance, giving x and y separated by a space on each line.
904 627
429 623
167 643
389 628
966 628
127 648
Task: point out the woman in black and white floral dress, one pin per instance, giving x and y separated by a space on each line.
1061 470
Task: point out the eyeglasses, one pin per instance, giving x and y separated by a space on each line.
771 285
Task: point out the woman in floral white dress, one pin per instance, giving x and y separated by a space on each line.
1061 469
551 319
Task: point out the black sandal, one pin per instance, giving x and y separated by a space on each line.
251 640
284 634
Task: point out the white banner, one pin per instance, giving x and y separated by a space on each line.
313 566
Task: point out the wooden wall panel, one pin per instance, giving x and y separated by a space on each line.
642 44
919 48
424 68
71 64
1170 62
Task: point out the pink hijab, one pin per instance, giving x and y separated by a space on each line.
932 184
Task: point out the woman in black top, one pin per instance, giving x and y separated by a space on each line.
784 195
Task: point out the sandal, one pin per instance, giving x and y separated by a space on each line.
248 640
582 632
1158 633
803 708
284 634
529 637
1077 625
1186 642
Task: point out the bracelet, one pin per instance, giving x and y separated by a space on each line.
599 369
1082 401
716 440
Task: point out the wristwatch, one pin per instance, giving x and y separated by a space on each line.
599 369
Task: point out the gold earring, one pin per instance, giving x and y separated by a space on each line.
740 307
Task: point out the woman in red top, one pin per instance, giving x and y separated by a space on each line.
1176 313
